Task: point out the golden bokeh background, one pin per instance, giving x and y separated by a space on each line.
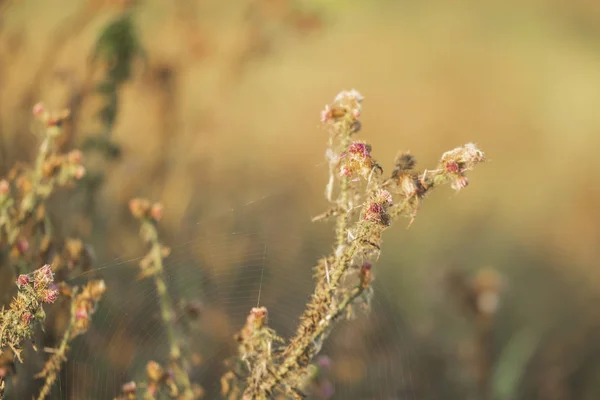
220 122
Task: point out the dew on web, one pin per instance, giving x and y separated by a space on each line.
240 259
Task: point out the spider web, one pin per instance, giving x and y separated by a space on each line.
244 263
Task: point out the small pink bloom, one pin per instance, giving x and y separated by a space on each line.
23 246
50 296
359 148
452 167
23 280
384 196
38 109
345 170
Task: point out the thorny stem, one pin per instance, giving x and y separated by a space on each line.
58 357
167 313
300 345
342 203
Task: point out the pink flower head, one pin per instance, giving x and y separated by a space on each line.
374 212
23 246
50 296
360 149
44 276
38 109
27 317
452 167
23 280
345 170
384 196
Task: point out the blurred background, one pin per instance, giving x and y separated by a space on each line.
212 108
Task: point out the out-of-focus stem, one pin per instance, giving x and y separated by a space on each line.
32 199
168 314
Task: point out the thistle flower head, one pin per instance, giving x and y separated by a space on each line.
462 158
346 103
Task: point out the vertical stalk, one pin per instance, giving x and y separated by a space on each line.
167 313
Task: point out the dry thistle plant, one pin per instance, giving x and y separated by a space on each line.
365 203
175 379
83 305
17 322
25 229
23 194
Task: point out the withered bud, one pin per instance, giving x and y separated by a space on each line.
156 212
465 158
139 207
154 371
404 162
258 317
408 185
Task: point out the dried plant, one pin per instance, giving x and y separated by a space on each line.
23 194
175 379
26 230
16 322
83 306
364 204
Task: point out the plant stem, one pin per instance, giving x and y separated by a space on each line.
168 314
53 365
